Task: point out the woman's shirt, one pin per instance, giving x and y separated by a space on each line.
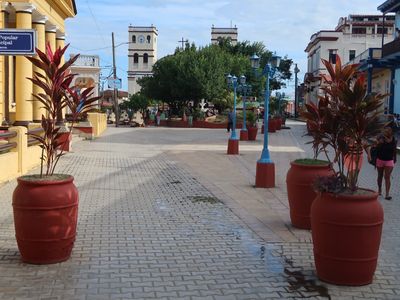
386 150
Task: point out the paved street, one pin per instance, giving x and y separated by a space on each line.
166 214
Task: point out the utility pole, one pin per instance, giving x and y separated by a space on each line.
296 94
182 41
115 98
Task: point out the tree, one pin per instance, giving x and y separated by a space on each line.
136 102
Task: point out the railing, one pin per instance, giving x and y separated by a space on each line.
32 141
87 61
4 136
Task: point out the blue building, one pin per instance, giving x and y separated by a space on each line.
391 55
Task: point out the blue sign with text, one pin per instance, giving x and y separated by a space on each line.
17 42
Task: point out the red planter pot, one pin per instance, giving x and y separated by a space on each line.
45 218
271 126
346 232
299 183
278 123
252 133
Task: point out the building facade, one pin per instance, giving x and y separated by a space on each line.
87 68
142 54
227 33
352 36
47 18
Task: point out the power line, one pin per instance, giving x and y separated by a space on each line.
95 21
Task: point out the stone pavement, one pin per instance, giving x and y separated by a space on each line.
166 214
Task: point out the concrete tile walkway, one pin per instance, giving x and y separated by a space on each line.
165 214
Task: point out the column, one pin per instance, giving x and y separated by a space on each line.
60 43
2 70
51 31
40 25
23 69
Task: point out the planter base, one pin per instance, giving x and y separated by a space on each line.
233 147
244 135
265 175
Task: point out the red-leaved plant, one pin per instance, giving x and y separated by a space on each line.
345 118
57 94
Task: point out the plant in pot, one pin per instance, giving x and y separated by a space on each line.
46 205
346 220
251 126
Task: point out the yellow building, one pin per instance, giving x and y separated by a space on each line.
47 18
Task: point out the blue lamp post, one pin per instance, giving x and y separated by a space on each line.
265 173
244 89
233 142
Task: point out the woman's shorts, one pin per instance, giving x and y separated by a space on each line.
384 163
351 164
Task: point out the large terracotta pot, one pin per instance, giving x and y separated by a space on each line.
299 183
45 218
271 125
278 123
252 133
346 232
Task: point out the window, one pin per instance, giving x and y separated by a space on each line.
148 39
133 38
380 30
135 58
332 56
145 58
359 30
352 54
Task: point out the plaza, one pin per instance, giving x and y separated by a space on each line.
165 214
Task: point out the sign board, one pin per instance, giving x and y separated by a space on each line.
17 41
114 83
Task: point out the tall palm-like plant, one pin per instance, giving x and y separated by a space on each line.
344 119
55 83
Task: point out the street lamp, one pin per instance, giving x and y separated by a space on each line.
296 92
244 89
265 172
233 142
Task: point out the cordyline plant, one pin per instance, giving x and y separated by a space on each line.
344 120
57 94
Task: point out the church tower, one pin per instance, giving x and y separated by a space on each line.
142 54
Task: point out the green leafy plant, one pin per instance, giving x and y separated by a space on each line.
251 119
343 121
55 82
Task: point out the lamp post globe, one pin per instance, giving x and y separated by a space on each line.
265 172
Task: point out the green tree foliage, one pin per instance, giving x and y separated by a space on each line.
136 102
195 73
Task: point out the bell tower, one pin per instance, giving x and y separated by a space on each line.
142 54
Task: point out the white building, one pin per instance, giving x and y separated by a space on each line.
352 36
142 54
87 68
220 32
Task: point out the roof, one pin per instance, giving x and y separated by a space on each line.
389 6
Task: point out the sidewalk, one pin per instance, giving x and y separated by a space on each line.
166 214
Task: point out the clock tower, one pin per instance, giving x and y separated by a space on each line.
142 54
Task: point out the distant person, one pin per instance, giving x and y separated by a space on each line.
385 159
158 118
230 120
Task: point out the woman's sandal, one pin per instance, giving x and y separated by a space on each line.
388 198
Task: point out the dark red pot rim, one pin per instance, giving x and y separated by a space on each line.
45 180
345 196
297 164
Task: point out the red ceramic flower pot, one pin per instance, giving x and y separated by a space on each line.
346 233
299 182
271 125
278 123
252 133
45 218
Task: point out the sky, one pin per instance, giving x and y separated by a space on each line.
284 26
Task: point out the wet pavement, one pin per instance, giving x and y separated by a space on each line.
165 214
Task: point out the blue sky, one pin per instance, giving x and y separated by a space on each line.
284 26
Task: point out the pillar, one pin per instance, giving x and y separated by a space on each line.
23 69
60 43
2 72
40 25
51 32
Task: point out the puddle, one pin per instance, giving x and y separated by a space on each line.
204 199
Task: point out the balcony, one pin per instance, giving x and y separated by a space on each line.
391 48
87 61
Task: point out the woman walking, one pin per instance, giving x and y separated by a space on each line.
385 159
